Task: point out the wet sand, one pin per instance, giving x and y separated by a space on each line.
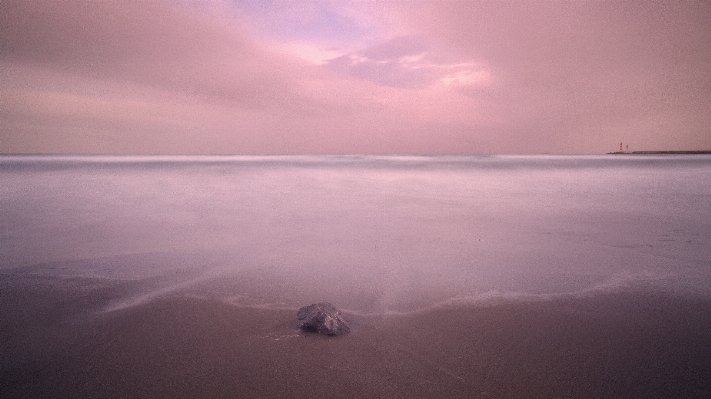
56 342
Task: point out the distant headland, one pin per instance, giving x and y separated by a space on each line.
662 152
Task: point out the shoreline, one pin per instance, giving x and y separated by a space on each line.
634 344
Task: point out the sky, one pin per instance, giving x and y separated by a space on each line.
354 77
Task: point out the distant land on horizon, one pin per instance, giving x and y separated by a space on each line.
666 152
662 152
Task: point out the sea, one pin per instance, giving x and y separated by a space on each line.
370 234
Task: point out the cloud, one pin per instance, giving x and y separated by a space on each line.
577 75
145 77
89 64
148 43
408 62
385 64
353 77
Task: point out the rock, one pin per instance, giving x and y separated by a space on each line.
322 318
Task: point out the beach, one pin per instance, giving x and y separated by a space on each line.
56 342
475 276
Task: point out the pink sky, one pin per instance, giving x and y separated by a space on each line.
386 77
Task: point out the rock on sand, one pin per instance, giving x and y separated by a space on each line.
322 318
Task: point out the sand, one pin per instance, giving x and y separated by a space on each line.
56 341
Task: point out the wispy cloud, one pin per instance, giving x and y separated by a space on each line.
408 62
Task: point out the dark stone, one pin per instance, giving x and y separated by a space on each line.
322 318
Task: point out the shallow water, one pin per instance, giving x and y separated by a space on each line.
371 234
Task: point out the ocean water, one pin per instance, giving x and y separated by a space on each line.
371 234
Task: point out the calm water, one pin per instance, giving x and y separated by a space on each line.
370 234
